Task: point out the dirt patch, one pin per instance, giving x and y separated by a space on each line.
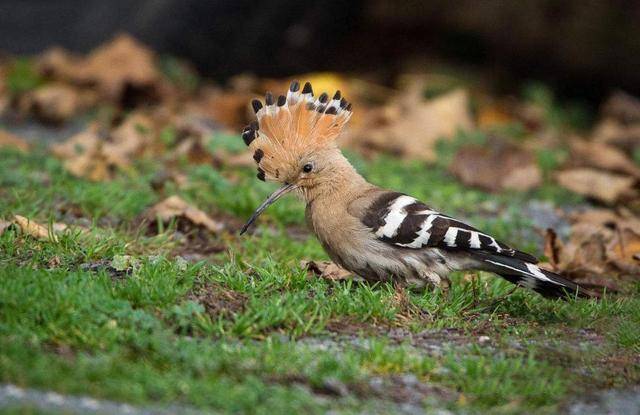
404 389
106 265
197 245
348 333
346 326
618 368
217 300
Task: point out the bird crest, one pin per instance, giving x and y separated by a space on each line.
292 126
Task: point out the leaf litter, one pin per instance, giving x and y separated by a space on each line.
36 230
602 250
174 208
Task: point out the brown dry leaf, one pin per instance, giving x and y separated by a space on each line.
59 64
175 207
231 109
602 217
83 157
411 126
601 248
606 187
327 270
129 140
603 156
84 142
89 155
120 63
112 67
11 140
583 257
497 166
55 103
611 131
624 248
38 231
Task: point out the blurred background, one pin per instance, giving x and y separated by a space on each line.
581 49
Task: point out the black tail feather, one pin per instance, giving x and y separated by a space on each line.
529 275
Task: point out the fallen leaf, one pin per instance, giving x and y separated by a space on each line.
129 140
120 63
228 108
83 157
411 126
175 207
624 248
97 156
600 249
111 68
497 166
59 64
38 231
603 186
54 103
584 253
11 140
603 156
603 217
611 131
327 270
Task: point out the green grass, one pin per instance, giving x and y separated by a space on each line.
77 316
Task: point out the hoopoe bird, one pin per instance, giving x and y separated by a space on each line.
378 234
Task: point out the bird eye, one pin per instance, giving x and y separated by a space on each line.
307 168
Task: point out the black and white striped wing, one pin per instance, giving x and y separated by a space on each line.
406 222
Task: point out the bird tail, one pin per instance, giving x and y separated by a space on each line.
526 274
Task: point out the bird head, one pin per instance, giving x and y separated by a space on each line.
293 140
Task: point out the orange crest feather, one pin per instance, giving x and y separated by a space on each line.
292 126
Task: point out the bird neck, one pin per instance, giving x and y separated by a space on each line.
340 180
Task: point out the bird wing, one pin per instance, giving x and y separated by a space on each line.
404 221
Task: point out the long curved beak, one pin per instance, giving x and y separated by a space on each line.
268 202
